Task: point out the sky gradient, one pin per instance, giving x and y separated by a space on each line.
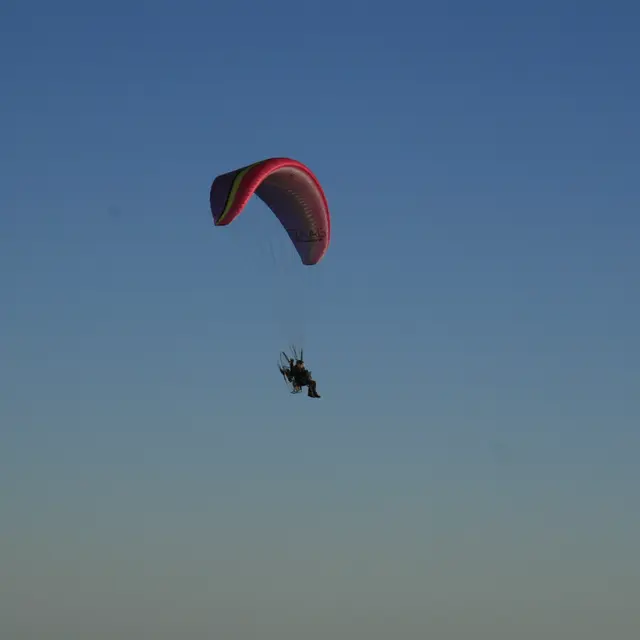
472 467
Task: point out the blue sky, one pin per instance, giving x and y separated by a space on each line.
472 465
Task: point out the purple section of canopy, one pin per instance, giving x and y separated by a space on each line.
294 198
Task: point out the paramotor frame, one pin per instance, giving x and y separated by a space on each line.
284 366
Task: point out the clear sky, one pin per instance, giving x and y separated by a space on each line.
472 467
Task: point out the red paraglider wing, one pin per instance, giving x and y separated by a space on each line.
290 190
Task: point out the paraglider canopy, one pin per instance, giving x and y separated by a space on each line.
290 190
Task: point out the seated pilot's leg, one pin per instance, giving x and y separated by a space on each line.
312 389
